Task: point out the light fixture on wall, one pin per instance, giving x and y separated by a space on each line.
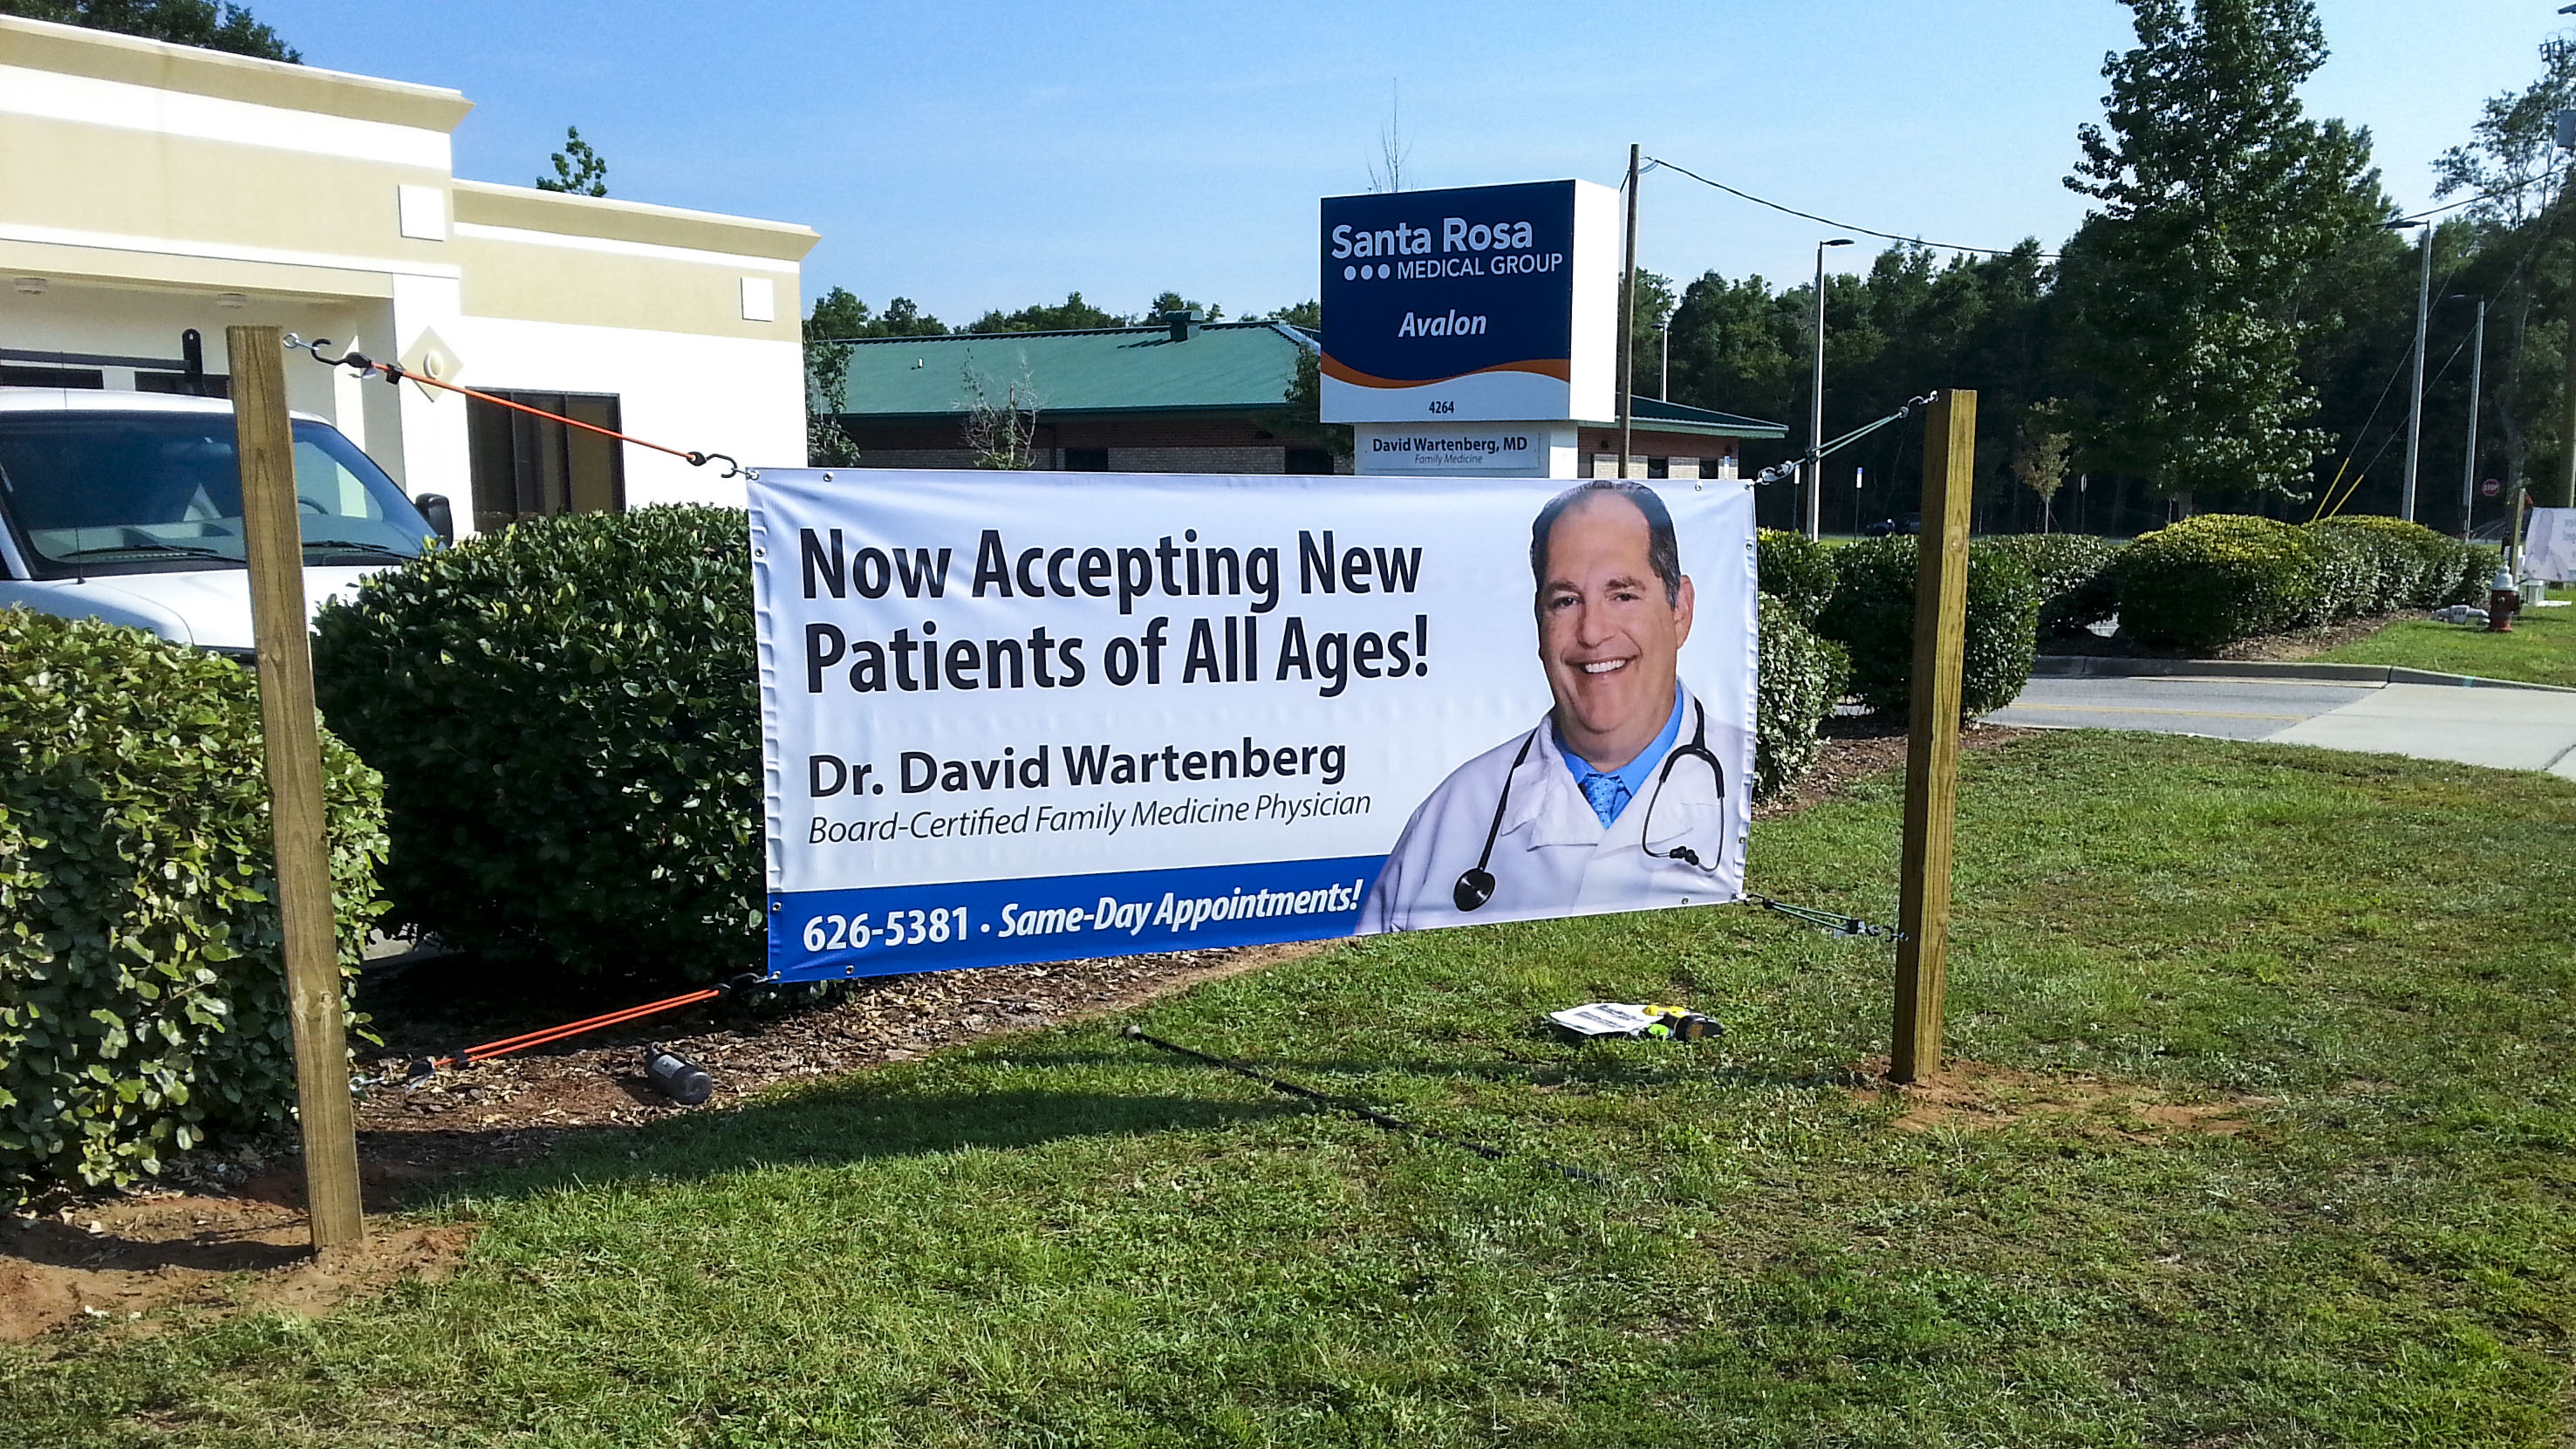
32 286
231 299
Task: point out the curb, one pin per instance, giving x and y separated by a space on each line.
2089 666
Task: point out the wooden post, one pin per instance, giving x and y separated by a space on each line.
1932 756
291 740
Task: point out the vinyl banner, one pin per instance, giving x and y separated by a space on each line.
1026 717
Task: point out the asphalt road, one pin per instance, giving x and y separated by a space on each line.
2504 728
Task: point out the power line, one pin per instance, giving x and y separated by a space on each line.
1655 161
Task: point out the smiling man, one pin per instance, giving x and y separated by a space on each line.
1615 801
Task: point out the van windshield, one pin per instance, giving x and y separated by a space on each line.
99 492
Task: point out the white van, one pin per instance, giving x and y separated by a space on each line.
126 506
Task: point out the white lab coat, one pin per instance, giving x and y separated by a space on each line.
1553 856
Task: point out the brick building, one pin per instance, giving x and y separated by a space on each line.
1177 396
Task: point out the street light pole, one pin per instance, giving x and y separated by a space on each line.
2469 462
2415 402
1815 469
1628 328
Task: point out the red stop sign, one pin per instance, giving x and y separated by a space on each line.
2490 488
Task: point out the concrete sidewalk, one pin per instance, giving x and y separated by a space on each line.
2503 728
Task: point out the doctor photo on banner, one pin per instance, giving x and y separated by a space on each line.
1626 794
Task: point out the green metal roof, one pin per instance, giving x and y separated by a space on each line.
1672 417
1228 366
1222 367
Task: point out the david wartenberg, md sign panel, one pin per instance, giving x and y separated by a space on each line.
1042 717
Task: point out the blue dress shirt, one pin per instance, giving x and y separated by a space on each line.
1609 791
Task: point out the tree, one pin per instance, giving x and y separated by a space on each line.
2039 456
1654 308
1393 151
1169 302
2511 164
827 380
578 169
1297 314
1074 315
839 315
1001 431
201 23
2224 214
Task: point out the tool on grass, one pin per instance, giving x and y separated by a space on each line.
1365 1113
1594 1020
675 1076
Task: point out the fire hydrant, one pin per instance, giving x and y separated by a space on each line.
2503 602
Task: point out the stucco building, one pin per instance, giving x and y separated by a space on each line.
150 190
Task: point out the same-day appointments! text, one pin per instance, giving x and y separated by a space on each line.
1225 649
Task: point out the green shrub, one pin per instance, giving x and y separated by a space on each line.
2478 565
2217 578
2415 567
142 975
2073 573
567 716
1796 570
1872 615
2348 575
1801 677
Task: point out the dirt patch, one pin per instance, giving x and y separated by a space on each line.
121 1259
1858 746
1975 1096
226 1230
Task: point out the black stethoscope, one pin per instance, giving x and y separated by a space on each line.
1476 884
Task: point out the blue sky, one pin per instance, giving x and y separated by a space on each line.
982 154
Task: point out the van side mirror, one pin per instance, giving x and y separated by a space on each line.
442 519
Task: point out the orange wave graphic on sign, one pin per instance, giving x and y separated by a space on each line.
1555 367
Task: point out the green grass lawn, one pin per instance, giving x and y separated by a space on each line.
2541 649
1068 1238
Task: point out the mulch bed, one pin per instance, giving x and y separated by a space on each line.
2295 644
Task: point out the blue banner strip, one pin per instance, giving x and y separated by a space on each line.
890 930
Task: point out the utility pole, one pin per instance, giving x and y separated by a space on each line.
1664 384
1628 329
2469 462
2415 400
1815 469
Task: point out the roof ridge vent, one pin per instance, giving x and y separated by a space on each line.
1184 323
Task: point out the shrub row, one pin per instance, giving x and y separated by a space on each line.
2219 577
142 978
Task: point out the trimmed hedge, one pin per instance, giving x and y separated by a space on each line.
1796 570
1872 615
1801 677
2073 573
567 716
2221 577
142 970
2416 568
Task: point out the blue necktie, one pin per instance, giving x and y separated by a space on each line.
1608 794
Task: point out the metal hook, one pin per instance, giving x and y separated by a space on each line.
358 360
700 460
